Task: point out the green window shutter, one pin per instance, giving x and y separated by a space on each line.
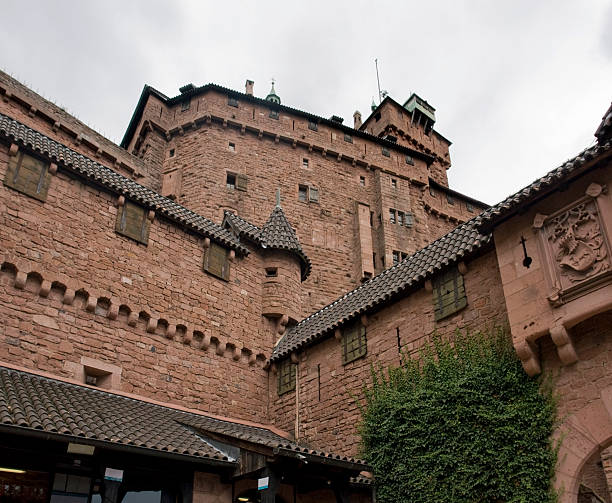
216 261
133 223
354 343
286 376
28 175
448 294
241 182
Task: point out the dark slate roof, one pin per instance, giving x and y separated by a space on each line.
241 227
101 175
540 187
458 244
35 403
276 234
604 130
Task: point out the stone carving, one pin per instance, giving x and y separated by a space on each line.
578 244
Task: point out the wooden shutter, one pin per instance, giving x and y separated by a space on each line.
133 223
241 182
354 343
314 195
286 376
216 261
28 175
448 293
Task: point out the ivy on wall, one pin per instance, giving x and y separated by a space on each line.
462 423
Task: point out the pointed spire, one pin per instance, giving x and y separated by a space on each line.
278 198
272 96
373 105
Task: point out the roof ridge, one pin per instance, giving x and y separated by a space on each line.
115 182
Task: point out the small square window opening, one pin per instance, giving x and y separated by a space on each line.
409 160
305 163
385 152
392 216
271 272
450 199
393 183
362 181
172 152
273 114
348 138
230 181
469 207
232 147
313 126
302 193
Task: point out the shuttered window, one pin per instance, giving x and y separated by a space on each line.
286 376
448 293
241 182
354 343
132 222
28 175
216 261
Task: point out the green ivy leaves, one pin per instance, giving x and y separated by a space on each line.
462 423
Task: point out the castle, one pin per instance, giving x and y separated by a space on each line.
188 315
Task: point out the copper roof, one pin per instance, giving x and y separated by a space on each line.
67 158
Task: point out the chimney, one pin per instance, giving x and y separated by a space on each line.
357 119
249 87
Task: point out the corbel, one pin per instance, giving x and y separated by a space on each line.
13 150
20 280
151 215
237 354
99 153
181 131
78 139
282 324
171 332
294 357
224 123
243 129
113 311
428 286
92 302
338 334
32 111
206 243
208 119
220 348
168 136
260 134
364 319
324 152
354 162
205 342
565 345
538 221
252 359
133 319
277 138
273 367
121 201
56 126
7 96
45 288
231 255
462 268
188 337
310 147
152 325
294 144
53 168
339 157
528 358
69 295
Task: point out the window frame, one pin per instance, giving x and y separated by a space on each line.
207 266
22 170
122 227
286 376
448 294
354 342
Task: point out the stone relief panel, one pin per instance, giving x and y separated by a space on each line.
576 248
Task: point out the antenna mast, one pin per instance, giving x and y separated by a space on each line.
378 80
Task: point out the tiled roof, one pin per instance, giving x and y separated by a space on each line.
241 227
552 178
453 247
276 234
114 182
32 402
605 128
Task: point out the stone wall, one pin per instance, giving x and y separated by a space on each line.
327 413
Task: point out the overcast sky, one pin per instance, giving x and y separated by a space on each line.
518 86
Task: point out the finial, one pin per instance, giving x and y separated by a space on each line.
278 205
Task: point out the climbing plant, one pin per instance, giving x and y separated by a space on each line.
461 423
